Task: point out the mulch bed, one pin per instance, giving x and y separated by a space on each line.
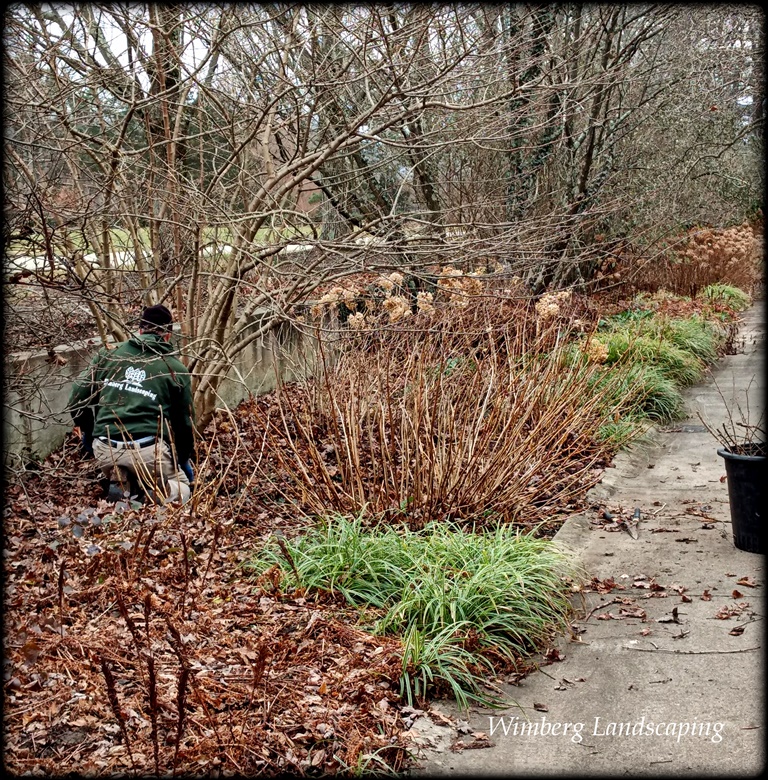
118 620
136 639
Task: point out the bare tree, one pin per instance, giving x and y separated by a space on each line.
165 153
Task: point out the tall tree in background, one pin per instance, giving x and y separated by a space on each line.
166 152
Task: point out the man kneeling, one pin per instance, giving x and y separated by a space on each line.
135 403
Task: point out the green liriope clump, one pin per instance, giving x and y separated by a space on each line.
455 597
733 297
625 344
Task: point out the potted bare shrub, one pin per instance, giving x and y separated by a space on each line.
742 447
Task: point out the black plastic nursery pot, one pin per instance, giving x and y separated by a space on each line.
745 472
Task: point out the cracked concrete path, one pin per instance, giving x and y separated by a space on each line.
662 681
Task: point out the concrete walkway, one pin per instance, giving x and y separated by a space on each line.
660 682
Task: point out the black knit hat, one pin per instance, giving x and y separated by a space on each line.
156 318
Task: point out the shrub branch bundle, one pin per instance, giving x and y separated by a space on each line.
475 418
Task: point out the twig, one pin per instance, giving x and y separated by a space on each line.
599 606
136 542
708 518
115 705
147 609
176 642
177 645
180 704
284 549
690 652
128 619
726 435
61 600
258 668
137 569
183 596
216 532
153 710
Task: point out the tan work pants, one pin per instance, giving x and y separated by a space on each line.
153 465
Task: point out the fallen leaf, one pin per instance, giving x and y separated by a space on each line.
748 581
442 720
475 744
540 707
318 757
706 596
604 586
678 588
31 651
736 594
737 630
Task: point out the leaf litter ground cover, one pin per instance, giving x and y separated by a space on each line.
267 683
118 618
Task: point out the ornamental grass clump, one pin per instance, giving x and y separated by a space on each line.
726 295
462 601
696 335
645 391
677 364
703 338
680 348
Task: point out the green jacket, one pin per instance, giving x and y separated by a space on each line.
138 389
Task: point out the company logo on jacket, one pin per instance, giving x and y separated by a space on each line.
135 375
132 383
